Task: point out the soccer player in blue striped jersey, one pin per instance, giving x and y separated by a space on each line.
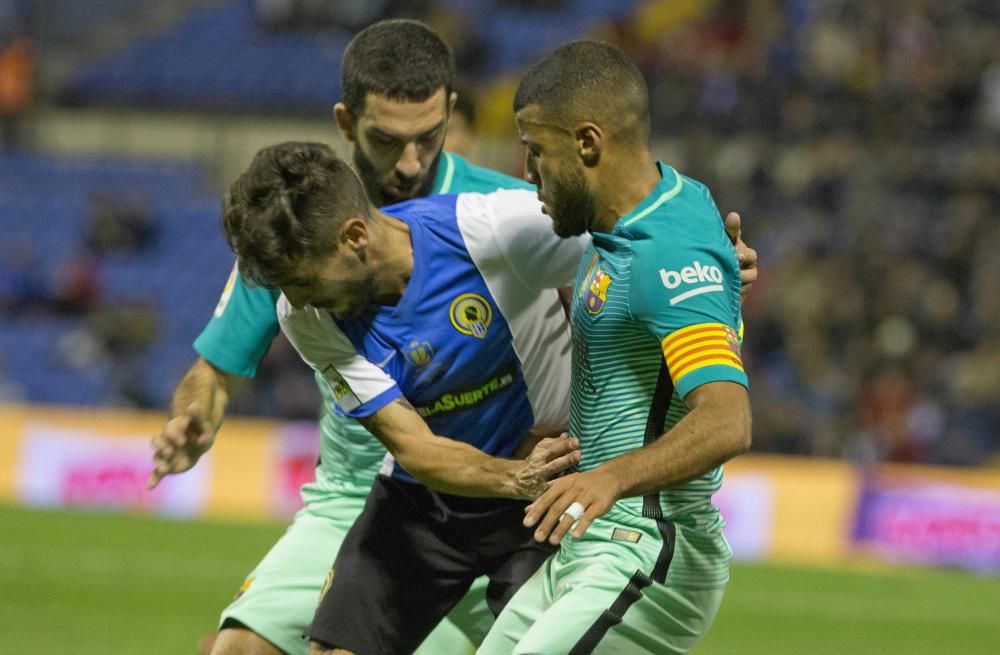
392 113
436 323
396 80
659 397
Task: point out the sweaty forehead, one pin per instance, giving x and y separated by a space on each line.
403 118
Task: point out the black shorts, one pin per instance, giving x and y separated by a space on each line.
411 556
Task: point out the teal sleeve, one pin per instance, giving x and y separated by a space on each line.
241 329
684 286
456 175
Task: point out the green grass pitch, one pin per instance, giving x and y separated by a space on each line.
104 584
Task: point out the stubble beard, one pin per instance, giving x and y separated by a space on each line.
374 187
365 304
571 207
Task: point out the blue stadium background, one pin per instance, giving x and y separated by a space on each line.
860 141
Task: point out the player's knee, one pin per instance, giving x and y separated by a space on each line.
241 640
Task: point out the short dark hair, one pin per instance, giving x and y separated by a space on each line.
589 80
287 207
400 59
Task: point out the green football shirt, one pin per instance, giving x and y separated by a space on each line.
656 305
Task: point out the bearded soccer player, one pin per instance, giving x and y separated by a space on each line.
437 324
396 81
659 396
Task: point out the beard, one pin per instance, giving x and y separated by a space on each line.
375 186
361 296
571 206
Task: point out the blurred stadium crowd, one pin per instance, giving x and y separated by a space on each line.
859 140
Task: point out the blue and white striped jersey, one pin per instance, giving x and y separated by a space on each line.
478 343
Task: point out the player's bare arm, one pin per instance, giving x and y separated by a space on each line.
717 428
197 408
457 468
746 255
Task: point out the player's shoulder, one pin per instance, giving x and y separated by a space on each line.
504 216
682 240
499 205
427 210
681 216
460 175
506 231
285 310
307 315
245 299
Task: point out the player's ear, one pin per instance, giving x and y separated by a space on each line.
589 139
345 122
354 234
452 99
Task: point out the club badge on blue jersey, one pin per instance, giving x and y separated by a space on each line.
418 353
471 315
597 293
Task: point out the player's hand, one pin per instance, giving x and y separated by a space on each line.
183 440
594 490
548 458
746 255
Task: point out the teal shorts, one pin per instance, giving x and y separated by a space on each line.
279 597
601 595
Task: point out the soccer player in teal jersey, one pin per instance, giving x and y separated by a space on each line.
659 396
397 78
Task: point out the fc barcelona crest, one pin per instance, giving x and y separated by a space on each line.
733 341
597 293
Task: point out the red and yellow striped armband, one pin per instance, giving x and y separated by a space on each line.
698 346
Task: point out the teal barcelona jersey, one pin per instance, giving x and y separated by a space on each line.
656 302
244 323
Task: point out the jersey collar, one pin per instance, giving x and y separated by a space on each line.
445 174
670 185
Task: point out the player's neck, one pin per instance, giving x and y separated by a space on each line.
391 253
624 183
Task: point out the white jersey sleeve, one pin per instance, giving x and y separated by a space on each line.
523 262
508 229
359 387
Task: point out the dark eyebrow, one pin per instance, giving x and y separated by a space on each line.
376 131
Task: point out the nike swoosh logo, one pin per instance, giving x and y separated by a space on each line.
386 360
